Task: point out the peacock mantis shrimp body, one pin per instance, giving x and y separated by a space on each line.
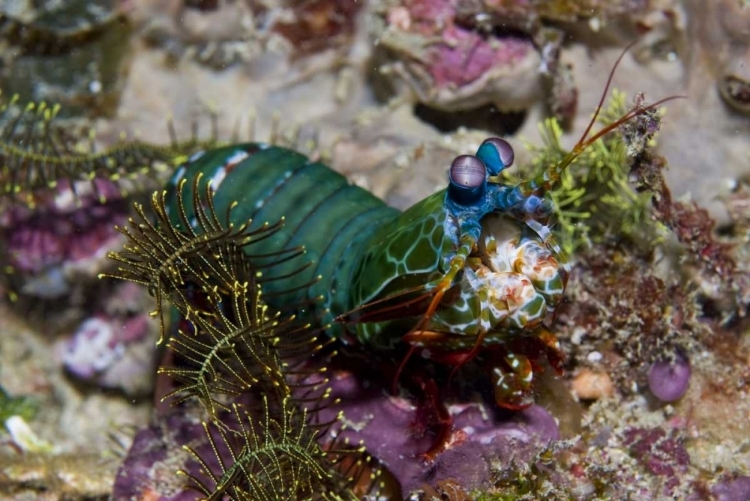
468 273
470 266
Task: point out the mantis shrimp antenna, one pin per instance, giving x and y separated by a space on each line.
546 180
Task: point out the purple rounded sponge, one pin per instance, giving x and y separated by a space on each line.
737 489
668 380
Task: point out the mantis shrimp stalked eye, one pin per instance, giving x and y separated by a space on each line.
468 179
497 154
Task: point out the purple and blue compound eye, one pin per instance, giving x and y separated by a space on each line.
468 180
497 154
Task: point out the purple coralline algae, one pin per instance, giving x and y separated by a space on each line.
466 56
661 453
389 427
156 453
392 429
736 489
63 236
668 379
113 352
426 52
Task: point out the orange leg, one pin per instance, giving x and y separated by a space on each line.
444 421
552 348
418 333
397 376
470 355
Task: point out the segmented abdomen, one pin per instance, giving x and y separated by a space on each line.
323 212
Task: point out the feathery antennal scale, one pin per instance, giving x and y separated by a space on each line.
544 181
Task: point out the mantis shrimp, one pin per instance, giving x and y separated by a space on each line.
470 272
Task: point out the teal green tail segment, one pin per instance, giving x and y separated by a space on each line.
322 213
